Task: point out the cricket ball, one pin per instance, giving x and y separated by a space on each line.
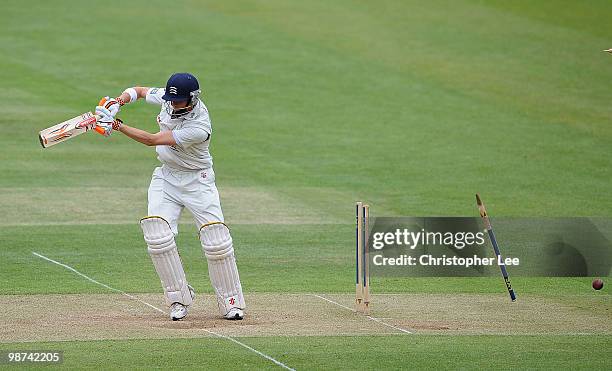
597 284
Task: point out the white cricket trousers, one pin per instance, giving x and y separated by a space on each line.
171 190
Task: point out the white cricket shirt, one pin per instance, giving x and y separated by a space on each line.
191 132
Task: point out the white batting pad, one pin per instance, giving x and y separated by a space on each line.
166 259
219 251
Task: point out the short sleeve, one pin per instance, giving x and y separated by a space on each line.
188 136
154 96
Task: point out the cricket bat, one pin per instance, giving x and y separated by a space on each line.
68 129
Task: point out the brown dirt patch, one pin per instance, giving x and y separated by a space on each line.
114 316
477 314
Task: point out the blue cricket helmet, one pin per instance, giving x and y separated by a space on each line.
181 87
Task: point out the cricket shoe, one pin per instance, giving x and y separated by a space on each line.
178 311
234 314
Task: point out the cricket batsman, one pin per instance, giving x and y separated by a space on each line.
184 179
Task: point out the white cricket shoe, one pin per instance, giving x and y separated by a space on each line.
235 314
178 311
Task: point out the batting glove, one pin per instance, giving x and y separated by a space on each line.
105 120
108 128
111 104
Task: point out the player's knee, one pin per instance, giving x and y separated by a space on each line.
157 234
216 241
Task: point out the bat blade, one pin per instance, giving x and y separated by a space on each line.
66 130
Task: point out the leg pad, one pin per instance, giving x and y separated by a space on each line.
219 251
166 259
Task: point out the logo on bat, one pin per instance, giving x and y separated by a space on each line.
59 131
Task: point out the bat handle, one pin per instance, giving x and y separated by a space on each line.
97 128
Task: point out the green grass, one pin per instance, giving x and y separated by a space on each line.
382 102
347 353
305 258
411 105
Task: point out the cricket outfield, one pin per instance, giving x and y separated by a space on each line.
314 106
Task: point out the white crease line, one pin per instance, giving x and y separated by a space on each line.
98 283
278 363
368 317
388 325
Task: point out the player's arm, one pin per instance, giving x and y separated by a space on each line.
130 95
111 106
108 107
163 138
